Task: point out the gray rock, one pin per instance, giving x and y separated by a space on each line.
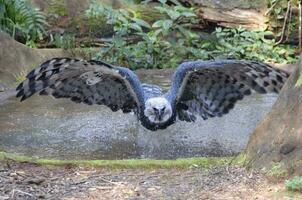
16 60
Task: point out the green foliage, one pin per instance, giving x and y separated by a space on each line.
250 45
158 44
58 8
66 41
96 15
294 184
277 171
20 76
21 20
123 21
170 40
299 81
277 16
177 19
144 12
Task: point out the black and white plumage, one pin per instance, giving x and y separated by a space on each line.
199 88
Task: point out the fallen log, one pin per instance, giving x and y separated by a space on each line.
234 18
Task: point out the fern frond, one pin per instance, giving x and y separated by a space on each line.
21 15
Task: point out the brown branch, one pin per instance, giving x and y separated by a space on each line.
19 191
285 23
271 8
300 24
288 25
93 42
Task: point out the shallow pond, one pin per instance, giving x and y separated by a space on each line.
49 128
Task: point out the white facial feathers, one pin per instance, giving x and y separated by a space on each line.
158 110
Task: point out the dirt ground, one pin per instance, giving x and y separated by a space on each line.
31 181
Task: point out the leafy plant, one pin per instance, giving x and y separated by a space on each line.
277 170
156 43
57 7
65 41
123 22
178 18
284 21
96 17
242 44
299 81
294 184
21 20
170 40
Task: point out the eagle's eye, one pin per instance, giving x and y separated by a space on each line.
163 109
155 109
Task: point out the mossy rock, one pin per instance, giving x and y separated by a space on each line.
16 60
202 162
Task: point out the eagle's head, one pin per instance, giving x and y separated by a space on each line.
158 110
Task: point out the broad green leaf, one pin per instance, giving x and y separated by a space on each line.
142 22
161 9
173 14
157 32
167 24
188 14
157 24
163 1
136 27
206 45
176 2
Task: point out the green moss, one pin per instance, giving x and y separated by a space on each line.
299 81
240 159
130 163
294 184
21 76
277 170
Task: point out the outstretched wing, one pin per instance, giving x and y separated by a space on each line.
90 82
211 88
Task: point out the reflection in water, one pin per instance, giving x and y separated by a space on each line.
44 127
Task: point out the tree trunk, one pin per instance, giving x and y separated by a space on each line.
277 141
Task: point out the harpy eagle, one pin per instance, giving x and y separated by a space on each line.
204 88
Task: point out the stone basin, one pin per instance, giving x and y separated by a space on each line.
58 128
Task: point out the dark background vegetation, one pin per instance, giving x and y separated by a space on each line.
148 34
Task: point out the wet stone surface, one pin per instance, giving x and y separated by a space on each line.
57 128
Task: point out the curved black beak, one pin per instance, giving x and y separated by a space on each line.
159 113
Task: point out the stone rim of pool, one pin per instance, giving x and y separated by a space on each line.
36 128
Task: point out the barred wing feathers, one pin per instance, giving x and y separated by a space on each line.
211 88
151 90
90 82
